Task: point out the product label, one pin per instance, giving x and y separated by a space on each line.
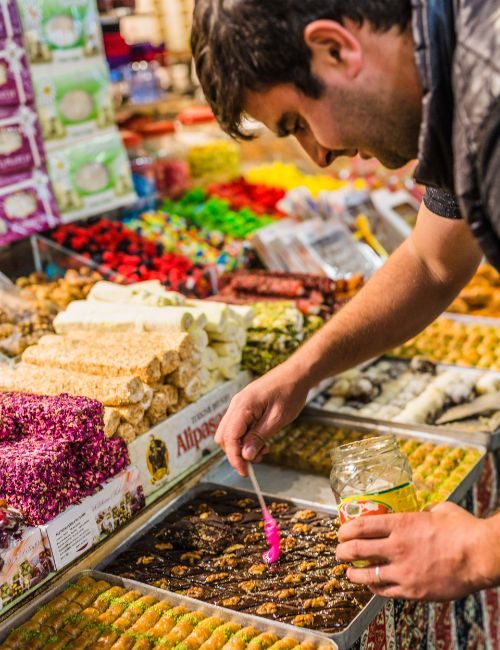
402 498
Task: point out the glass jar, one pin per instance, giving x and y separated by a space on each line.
372 477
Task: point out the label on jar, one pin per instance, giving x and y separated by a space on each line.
402 498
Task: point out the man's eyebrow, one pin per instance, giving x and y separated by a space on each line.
283 124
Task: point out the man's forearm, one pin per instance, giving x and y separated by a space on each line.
399 301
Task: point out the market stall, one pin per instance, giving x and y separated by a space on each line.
151 268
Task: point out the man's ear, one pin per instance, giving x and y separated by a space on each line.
333 48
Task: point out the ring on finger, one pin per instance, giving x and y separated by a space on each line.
378 577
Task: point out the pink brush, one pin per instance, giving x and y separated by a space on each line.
271 528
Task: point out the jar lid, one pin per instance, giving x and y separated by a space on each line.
196 115
130 139
161 127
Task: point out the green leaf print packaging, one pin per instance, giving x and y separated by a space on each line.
60 30
73 101
91 176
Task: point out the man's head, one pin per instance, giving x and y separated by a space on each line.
339 75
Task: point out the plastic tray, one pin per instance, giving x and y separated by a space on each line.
344 639
261 624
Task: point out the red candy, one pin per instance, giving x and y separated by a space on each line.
240 194
116 249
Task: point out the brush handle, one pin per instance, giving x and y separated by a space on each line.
256 487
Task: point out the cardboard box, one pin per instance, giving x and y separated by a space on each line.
181 441
24 565
78 528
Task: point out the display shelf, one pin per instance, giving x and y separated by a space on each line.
105 547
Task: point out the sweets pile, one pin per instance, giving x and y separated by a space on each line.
312 294
144 353
119 251
94 614
214 214
449 341
28 315
481 297
277 330
437 469
211 549
288 177
200 246
53 452
75 285
211 161
261 199
414 393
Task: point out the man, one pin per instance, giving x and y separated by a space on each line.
396 80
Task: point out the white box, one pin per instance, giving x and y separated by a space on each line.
78 528
181 441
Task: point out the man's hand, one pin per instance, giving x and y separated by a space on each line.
258 412
443 554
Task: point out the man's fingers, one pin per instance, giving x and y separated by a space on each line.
370 576
261 454
367 527
253 444
374 550
232 429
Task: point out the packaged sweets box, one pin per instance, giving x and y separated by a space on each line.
25 564
181 441
78 528
91 176
74 101
58 31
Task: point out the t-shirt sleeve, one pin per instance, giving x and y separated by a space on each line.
442 203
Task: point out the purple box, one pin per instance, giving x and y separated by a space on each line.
21 145
27 205
10 20
15 79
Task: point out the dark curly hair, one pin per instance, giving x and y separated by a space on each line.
241 45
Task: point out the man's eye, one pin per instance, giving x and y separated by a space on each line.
299 127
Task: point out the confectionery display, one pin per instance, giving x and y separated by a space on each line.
213 213
27 315
437 469
481 297
198 245
121 252
276 331
312 294
93 613
413 393
211 549
53 452
151 267
288 177
456 342
143 352
261 199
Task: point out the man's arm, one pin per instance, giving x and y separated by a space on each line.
416 284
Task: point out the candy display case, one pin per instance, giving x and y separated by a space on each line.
346 616
141 613
417 393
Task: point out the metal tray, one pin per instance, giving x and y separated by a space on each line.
485 439
423 434
261 624
344 639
